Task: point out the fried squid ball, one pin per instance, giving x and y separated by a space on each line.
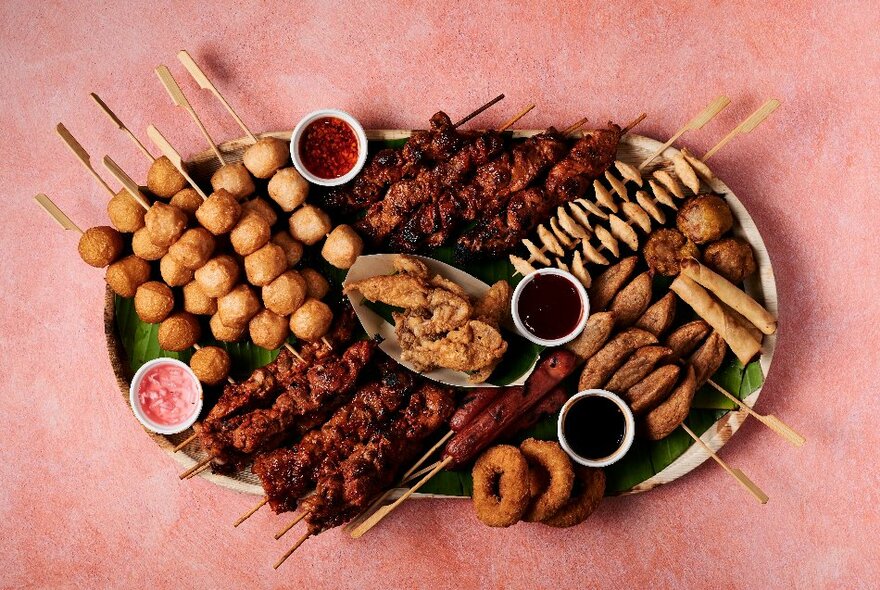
588 490
174 273
316 285
266 156
551 478
219 213
293 250
153 301
342 247
501 486
225 333
126 275
262 208
311 320
250 234
188 201
268 329
143 246
125 213
179 331
237 307
165 223
309 225
99 246
163 179
264 265
194 248
196 301
286 293
210 364
218 276
732 258
704 218
288 188
235 179
666 248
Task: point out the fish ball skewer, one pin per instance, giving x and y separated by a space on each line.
309 225
268 329
317 286
288 188
194 248
265 265
179 331
250 234
219 213
224 333
262 208
143 247
343 246
188 201
286 293
235 179
163 179
218 276
211 364
100 246
196 301
266 156
164 223
293 249
237 307
153 301
126 275
311 321
126 214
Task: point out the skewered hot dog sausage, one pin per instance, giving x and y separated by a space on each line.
474 402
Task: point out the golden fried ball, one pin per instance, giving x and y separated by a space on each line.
293 249
218 276
288 188
99 246
174 273
153 301
250 234
211 364
342 247
196 301
235 179
194 248
225 333
163 179
179 331
165 223
285 294
126 275
143 246
268 329
188 201
316 285
266 156
262 208
704 218
219 213
237 307
264 265
309 225
732 258
125 213
665 248
311 320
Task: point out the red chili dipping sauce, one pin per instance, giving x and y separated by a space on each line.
328 147
550 307
168 395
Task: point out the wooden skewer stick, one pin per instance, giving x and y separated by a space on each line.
57 214
575 126
425 457
770 421
125 180
419 473
185 442
170 153
509 123
706 115
294 352
291 550
82 155
479 110
750 123
295 521
633 123
250 512
202 80
736 473
203 464
118 122
180 100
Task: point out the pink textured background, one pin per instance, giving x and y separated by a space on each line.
88 500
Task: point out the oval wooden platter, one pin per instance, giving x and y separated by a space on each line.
632 149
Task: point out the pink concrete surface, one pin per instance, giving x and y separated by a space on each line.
88 500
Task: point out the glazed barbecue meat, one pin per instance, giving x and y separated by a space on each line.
588 159
498 234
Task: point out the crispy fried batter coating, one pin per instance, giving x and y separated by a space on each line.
551 478
588 491
501 486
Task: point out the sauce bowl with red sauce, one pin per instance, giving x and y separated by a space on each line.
328 147
166 396
550 307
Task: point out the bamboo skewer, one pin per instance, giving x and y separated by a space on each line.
424 458
634 122
509 123
746 126
57 214
118 122
197 468
293 523
770 421
185 442
736 473
706 115
250 512
495 100
575 126
170 153
126 181
291 550
82 155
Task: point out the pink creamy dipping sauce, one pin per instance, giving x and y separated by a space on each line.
166 396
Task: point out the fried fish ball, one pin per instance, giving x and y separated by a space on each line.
316 285
286 293
125 213
218 276
99 246
268 329
210 364
143 246
188 201
665 249
126 275
288 188
266 156
704 218
262 208
250 234
293 249
311 320
265 265
163 179
153 301
219 213
309 225
194 248
196 301
732 258
235 179
174 273
237 307
165 223
225 333
342 247
179 331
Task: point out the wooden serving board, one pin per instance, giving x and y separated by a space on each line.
633 149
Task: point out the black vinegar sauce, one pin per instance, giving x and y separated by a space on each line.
594 427
550 306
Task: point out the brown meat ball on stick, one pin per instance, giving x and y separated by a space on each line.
194 248
286 293
196 301
98 246
126 275
179 331
218 276
266 156
268 329
153 302
211 364
262 208
265 265
251 233
173 272
237 307
288 188
293 249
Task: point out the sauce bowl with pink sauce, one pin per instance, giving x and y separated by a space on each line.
166 396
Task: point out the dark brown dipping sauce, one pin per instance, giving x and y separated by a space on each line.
550 307
328 147
594 427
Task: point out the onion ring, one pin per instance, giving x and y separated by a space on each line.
551 478
501 486
589 489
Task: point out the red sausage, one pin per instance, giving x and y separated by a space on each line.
474 402
547 406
